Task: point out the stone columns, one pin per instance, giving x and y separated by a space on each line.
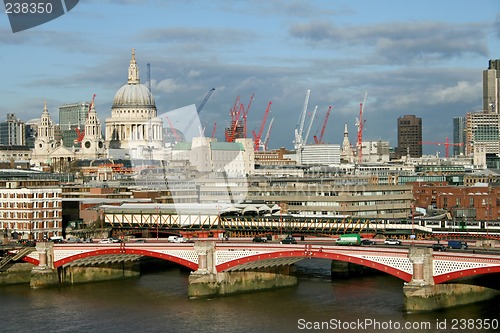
207 282
421 258
44 275
206 261
422 294
45 252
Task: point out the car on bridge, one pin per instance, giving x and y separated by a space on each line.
288 240
457 244
368 242
74 240
392 241
106 241
176 239
438 247
258 239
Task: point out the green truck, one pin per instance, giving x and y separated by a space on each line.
349 239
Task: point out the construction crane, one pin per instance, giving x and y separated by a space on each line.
256 137
205 100
320 139
81 133
234 109
313 117
198 110
149 76
446 145
298 142
268 134
245 114
174 131
234 112
360 122
231 131
214 129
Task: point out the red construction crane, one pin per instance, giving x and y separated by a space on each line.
360 123
446 144
256 137
234 109
320 139
174 131
235 119
81 133
215 128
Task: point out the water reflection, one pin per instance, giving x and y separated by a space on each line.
157 302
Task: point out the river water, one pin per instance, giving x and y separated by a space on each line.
157 302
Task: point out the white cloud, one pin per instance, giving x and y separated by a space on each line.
463 91
168 86
193 73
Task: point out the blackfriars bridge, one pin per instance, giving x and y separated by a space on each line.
217 263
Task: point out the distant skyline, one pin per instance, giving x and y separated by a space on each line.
422 58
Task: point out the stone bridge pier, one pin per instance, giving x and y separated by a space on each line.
422 294
44 275
207 282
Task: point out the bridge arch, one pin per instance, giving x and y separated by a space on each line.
181 261
315 254
465 273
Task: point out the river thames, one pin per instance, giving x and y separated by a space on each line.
157 302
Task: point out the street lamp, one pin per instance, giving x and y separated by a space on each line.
412 223
281 218
157 221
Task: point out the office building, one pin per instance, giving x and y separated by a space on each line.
72 117
409 136
12 131
30 205
320 154
482 132
491 82
459 136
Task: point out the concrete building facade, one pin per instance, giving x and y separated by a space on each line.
459 136
320 154
482 133
31 209
491 84
71 117
12 131
409 136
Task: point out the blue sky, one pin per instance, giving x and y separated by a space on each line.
422 57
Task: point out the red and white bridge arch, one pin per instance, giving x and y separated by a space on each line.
244 256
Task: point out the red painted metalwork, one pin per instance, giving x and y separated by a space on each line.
310 252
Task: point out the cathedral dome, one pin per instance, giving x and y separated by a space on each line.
133 95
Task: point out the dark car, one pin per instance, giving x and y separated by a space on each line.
367 242
258 239
140 241
288 240
438 247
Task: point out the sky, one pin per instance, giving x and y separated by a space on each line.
422 58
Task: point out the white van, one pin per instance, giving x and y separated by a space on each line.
176 239
57 239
